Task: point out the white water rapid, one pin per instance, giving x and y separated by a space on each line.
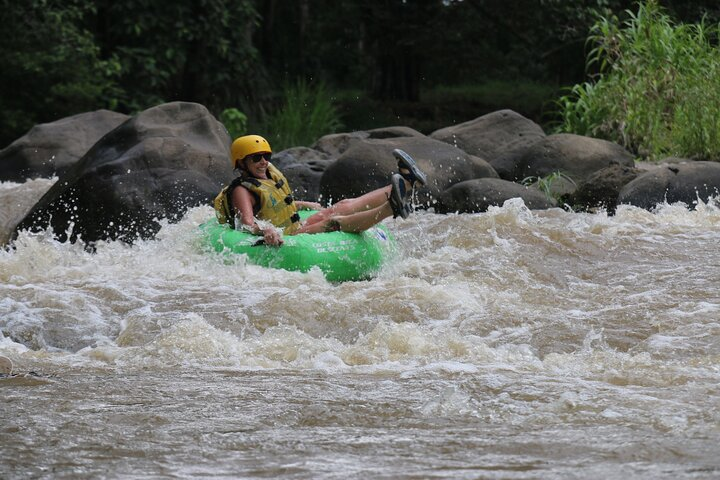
511 344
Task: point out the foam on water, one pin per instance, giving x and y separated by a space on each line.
16 199
509 288
506 344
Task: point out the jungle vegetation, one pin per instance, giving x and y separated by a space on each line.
304 68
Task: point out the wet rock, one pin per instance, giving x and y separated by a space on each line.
50 149
601 189
478 195
681 182
573 155
155 165
500 137
303 167
368 164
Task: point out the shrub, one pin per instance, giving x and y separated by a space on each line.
235 121
656 92
51 66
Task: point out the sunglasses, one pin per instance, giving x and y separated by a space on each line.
257 157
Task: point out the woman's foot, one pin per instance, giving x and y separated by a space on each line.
397 197
409 169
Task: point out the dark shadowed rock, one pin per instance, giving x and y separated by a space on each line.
50 149
303 168
153 166
602 188
368 164
682 182
500 138
573 155
478 195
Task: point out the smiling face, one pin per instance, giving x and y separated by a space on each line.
257 164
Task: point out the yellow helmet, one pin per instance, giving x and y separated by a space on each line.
248 145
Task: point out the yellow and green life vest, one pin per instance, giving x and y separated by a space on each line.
275 202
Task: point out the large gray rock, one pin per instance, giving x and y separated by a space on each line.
50 149
473 196
500 138
368 164
573 155
682 182
303 168
393 132
154 166
602 188
338 143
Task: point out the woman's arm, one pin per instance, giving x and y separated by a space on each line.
243 202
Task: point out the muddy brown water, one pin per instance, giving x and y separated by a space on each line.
509 344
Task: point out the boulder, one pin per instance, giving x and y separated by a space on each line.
601 189
156 165
393 132
472 196
303 168
368 164
500 138
576 156
50 149
682 182
338 143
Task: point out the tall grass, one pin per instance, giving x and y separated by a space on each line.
306 114
657 91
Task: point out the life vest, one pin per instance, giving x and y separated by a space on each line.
275 202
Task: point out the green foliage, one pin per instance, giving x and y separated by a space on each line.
61 58
307 113
657 91
51 66
548 184
191 50
235 121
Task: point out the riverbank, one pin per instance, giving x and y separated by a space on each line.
443 106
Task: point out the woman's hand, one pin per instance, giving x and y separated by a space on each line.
272 237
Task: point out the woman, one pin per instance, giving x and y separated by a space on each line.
262 201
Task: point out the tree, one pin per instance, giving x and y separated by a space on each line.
192 50
51 66
380 45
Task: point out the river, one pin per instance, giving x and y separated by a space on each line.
511 344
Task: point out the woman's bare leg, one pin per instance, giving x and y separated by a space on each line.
348 206
354 223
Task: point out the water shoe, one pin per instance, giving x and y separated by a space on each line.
397 197
412 172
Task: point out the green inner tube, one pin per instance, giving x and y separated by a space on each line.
340 256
